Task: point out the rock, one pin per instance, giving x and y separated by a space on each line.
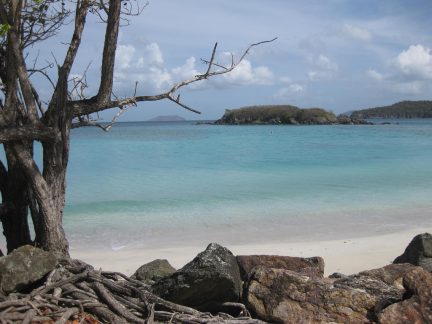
347 120
211 278
278 295
312 267
391 274
23 267
418 252
384 294
337 275
154 271
417 308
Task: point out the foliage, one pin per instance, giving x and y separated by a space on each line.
277 114
403 109
4 28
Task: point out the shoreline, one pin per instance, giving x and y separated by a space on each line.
347 256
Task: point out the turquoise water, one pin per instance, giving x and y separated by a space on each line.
145 184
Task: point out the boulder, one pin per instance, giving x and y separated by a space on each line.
23 267
154 270
337 275
285 296
417 307
391 274
383 293
213 277
418 252
347 120
312 267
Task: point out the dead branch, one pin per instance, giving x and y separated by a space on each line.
110 297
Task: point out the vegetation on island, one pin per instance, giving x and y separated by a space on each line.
277 114
403 109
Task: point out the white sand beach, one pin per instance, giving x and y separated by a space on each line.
346 256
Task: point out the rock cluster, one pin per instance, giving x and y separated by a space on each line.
277 289
347 120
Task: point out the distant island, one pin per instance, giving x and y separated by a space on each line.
167 118
283 114
403 109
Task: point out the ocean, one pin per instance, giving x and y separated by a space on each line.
147 184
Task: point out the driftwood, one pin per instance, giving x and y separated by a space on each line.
76 293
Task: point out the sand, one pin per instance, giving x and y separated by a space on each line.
346 256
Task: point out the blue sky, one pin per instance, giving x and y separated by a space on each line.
336 54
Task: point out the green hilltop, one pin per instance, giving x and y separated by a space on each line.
403 109
277 114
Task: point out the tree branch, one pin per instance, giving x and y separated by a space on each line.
27 132
61 87
26 88
110 46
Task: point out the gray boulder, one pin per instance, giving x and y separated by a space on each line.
211 278
154 270
23 267
418 252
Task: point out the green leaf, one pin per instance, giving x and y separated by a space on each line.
4 28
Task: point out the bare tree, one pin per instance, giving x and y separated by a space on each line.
23 119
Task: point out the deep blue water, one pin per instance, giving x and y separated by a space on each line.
146 183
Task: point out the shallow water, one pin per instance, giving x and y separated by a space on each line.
145 184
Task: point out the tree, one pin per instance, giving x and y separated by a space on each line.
24 119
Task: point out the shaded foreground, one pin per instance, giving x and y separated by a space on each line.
216 287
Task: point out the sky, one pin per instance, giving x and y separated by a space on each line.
340 55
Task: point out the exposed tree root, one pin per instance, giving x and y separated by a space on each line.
76 293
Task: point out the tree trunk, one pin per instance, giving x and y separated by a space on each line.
15 201
49 231
49 193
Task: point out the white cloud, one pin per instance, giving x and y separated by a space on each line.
323 68
150 71
152 55
187 70
245 74
325 63
357 32
415 62
374 75
410 74
291 90
124 55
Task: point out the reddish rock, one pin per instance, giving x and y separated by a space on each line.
312 267
391 274
285 296
417 308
